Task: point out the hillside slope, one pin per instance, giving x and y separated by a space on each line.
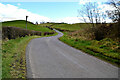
22 24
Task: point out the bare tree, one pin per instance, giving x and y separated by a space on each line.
114 14
94 17
90 13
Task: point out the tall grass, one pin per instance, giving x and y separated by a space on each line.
13 57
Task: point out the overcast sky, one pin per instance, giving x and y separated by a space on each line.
47 11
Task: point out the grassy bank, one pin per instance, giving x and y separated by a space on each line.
83 39
13 57
104 49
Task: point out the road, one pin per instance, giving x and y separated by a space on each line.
48 57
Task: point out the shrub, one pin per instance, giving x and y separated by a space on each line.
48 33
15 32
102 31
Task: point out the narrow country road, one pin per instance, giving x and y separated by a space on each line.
48 57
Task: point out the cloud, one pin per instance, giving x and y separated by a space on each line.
86 1
105 7
71 20
82 2
18 4
10 12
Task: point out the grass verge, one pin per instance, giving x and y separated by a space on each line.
13 57
96 48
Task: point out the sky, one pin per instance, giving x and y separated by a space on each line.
44 11
53 10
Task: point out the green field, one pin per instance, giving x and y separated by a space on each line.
64 26
70 27
22 24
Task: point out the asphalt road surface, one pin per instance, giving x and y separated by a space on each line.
48 57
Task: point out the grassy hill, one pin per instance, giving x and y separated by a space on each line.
22 24
17 28
65 26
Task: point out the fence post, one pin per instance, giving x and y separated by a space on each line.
26 21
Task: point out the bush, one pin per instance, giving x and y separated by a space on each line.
99 31
48 33
102 31
15 32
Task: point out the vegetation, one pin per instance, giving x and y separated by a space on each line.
84 38
13 59
0 59
92 14
22 24
96 38
106 49
70 27
16 38
15 29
